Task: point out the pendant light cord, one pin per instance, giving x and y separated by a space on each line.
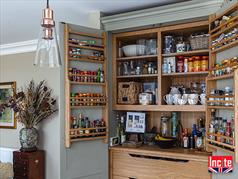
47 5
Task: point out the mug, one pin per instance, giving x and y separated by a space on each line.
175 98
202 98
193 96
192 101
168 98
185 96
182 101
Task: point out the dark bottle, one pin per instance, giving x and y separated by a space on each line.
191 142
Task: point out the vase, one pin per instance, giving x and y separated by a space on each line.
28 139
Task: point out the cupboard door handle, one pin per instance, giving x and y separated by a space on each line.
132 178
159 158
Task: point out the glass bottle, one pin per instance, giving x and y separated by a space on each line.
174 125
122 131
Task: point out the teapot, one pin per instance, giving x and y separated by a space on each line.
174 90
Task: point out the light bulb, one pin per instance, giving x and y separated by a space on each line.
47 52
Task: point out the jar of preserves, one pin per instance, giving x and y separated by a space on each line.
204 63
190 64
196 64
180 64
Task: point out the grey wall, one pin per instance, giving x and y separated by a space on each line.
20 68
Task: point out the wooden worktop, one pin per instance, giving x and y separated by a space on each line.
176 153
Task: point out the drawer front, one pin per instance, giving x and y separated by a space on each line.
143 166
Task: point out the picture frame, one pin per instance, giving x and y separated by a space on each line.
135 122
8 116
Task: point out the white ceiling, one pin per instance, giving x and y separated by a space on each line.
20 19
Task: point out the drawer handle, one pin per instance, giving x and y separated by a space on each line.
132 178
158 158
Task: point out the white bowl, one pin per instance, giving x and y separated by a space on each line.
133 50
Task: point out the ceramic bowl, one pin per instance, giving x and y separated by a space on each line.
133 50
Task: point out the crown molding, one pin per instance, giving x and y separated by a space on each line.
18 47
163 14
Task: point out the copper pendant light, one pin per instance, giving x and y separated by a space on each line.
47 52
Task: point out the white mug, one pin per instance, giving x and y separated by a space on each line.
182 101
202 98
175 98
168 98
192 101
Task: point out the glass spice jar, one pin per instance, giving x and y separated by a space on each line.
204 63
190 64
180 64
196 64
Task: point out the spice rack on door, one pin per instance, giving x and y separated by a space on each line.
80 47
225 73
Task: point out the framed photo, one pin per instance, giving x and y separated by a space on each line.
135 122
7 117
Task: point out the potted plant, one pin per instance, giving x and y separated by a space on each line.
31 105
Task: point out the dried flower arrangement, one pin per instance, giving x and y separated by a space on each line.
32 105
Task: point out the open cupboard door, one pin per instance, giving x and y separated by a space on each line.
222 84
86 102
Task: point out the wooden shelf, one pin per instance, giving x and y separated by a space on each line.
225 47
86 47
79 107
85 60
126 107
223 24
226 29
143 57
221 143
88 138
220 77
220 148
224 41
221 107
86 34
188 53
86 83
139 76
192 108
187 73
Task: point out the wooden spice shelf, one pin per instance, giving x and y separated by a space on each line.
85 34
224 41
220 77
186 73
85 60
188 53
138 76
220 148
218 135
87 83
86 47
79 107
226 29
89 138
221 143
143 57
225 47
223 25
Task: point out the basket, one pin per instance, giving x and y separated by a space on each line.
199 42
128 92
